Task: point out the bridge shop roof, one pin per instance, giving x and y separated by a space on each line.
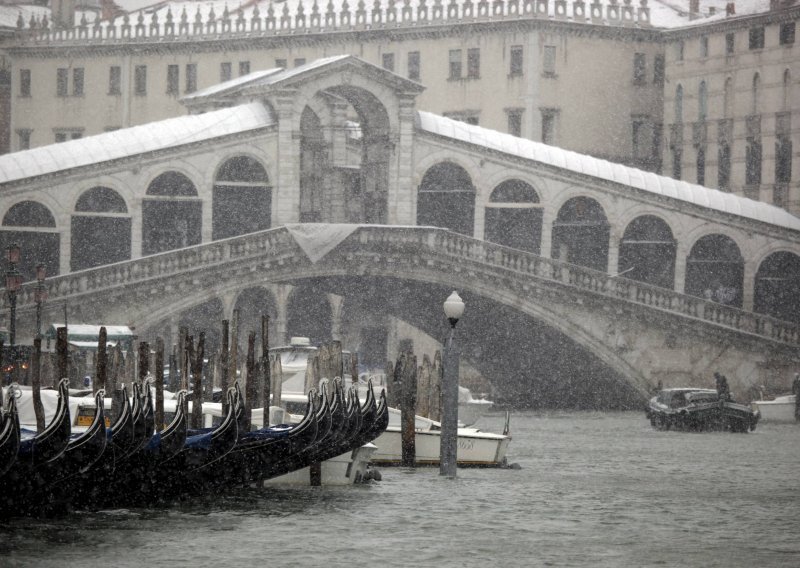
603 169
131 141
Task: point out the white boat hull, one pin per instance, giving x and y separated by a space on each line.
474 448
346 469
781 409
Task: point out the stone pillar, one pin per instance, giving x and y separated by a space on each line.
402 197
286 204
281 293
749 284
681 252
548 218
136 228
206 214
65 249
613 253
228 301
336 303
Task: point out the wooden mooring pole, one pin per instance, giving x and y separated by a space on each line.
36 384
63 355
159 384
407 367
266 371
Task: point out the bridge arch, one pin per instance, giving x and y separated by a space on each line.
241 197
171 213
253 302
647 251
777 286
100 229
446 198
31 225
513 216
715 270
581 233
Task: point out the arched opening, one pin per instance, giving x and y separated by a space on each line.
647 252
100 229
207 318
777 286
31 226
242 201
514 216
580 234
715 270
310 314
253 303
345 152
171 214
446 198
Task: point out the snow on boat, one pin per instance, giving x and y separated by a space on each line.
698 410
781 409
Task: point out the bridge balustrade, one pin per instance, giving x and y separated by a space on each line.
426 242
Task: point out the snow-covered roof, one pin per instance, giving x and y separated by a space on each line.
675 13
83 329
603 169
231 85
131 141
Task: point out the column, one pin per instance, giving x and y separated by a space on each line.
402 193
282 292
336 303
613 253
748 285
286 205
681 253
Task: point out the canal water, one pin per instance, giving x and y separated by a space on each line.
593 489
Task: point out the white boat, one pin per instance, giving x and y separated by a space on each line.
346 469
470 409
782 409
475 448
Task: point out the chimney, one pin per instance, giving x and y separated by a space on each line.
730 9
694 9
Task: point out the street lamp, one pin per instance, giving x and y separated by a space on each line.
453 309
13 284
40 295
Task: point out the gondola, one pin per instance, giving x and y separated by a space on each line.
9 435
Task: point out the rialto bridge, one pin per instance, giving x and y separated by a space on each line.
312 194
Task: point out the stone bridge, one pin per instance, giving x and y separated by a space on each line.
535 327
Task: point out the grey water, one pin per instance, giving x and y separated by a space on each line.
593 489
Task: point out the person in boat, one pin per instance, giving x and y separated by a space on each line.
796 384
723 390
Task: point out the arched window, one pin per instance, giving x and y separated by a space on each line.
715 270
32 226
777 286
171 214
514 216
100 229
581 233
242 198
702 102
679 104
446 198
647 252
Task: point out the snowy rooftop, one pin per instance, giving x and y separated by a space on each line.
603 169
131 141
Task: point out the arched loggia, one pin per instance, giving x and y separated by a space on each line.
514 216
171 214
581 233
32 227
100 229
446 199
647 252
242 201
715 270
777 286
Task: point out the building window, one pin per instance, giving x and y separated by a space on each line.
62 135
467 116
752 159
704 46
244 68
701 165
23 139
515 121
299 61
77 82
639 68
724 167
281 63
173 79
191 77
677 156
641 137
549 64
140 80
702 102
115 80
413 65
783 159
730 43
24 82
455 64
225 71
658 70
679 104
62 80
516 61
549 117
679 51
756 38
473 63
387 61
787 33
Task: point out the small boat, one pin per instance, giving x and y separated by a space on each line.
780 409
9 434
699 410
470 409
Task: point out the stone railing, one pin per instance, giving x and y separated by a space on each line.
342 16
382 241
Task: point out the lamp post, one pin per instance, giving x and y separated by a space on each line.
13 283
40 295
453 309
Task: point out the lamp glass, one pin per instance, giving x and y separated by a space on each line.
453 306
41 272
12 253
13 281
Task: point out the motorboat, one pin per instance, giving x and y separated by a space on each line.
780 409
698 410
475 447
470 409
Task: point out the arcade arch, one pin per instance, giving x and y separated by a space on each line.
242 198
777 286
32 226
581 234
647 252
514 216
446 198
171 214
100 229
715 270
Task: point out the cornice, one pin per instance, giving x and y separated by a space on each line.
733 23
